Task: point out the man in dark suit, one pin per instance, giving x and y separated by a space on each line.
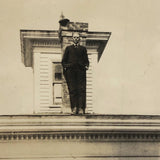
75 63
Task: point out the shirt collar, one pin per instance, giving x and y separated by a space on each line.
76 45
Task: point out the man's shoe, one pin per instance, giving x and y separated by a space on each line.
81 111
74 110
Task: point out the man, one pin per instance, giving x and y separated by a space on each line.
75 63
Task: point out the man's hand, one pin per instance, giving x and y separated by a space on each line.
86 67
64 68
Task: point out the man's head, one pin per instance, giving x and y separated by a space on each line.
76 37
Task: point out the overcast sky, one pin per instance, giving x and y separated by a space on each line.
128 74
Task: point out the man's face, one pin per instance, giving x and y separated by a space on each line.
76 38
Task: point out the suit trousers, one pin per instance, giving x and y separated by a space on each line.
76 81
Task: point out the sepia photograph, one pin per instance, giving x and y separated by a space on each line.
80 79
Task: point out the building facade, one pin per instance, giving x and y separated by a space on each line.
50 133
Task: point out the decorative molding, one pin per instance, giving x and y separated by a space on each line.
93 44
46 43
101 36
44 38
80 128
78 136
38 34
102 137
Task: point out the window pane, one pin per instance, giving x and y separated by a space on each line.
57 93
58 72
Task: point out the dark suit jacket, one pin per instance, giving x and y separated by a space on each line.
75 57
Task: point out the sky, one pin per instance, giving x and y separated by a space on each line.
128 74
